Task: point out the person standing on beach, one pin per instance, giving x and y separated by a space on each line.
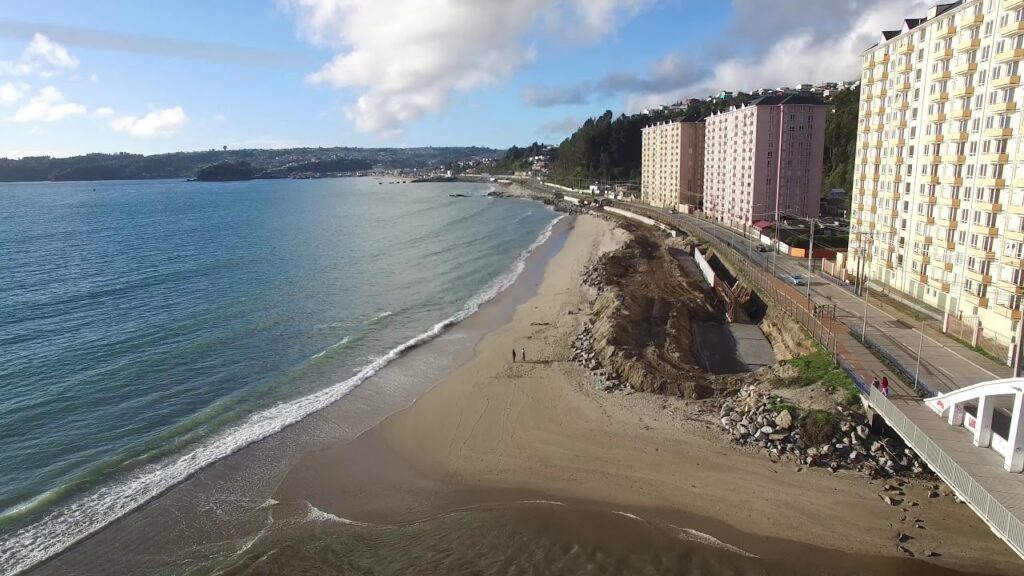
513 355
522 354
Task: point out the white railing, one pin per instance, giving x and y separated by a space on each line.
1005 525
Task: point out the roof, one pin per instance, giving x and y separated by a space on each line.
762 224
777 99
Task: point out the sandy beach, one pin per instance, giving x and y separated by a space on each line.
495 430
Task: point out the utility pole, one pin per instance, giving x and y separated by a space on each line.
864 327
1017 364
920 348
810 260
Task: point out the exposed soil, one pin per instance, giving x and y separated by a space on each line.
644 317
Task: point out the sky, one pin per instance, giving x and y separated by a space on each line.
149 77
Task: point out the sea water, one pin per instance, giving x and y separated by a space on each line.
149 329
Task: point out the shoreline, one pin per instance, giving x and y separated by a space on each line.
270 457
492 430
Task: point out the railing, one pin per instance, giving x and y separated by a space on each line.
1004 524
907 375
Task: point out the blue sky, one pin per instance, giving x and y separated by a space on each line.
151 77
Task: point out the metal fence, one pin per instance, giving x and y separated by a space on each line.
1005 525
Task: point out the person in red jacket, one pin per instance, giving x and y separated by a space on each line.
885 386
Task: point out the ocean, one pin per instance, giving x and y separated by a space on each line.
149 329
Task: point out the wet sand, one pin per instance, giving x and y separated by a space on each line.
497 432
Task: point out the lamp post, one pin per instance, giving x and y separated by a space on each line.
864 286
810 260
920 348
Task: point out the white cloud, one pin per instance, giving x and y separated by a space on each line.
49 105
11 92
156 123
94 78
42 56
786 50
220 117
103 112
406 58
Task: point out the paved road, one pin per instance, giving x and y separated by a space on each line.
945 365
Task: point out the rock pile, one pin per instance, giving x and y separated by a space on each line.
754 418
583 354
595 274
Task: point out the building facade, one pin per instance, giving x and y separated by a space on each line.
938 194
765 159
672 165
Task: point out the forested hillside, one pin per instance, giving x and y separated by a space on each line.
278 162
608 149
841 140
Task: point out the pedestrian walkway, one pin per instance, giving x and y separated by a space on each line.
975 475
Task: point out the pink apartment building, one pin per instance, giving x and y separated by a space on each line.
764 158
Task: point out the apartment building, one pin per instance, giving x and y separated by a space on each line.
763 159
938 202
672 165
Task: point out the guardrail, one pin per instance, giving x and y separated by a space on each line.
879 350
1005 525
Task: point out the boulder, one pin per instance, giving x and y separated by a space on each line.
784 420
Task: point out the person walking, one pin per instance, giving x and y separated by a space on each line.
513 355
522 354
885 386
874 383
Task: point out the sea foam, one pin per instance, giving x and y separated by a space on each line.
86 514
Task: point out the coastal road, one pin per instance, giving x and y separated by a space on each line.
945 366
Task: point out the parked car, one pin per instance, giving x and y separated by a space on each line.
764 248
796 279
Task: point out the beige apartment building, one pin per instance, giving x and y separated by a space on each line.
672 165
764 158
938 198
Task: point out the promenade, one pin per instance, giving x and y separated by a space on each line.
938 364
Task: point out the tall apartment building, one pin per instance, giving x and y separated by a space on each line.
672 168
764 158
938 202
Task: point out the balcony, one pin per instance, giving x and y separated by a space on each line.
943 54
959 91
929 199
931 159
1012 29
901 86
971 20
954 158
1011 262
1011 313
902 105
956 137
994 207
945 32
1016 236
1009 287
950 201
962 114
939 284
984 230
979 301
965 68
992 182
938 96
897 178
940 117
952 180
907 48
1010 55
1003 107
1012 4
968 44
979 277
878 127
933 138
995 158
1006 81
905 68
998 132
